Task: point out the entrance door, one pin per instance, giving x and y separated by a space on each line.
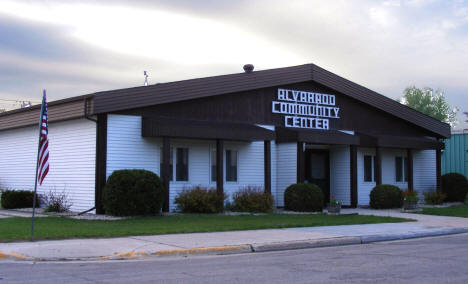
317 170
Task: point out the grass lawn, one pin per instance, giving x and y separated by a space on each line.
61 228
456 211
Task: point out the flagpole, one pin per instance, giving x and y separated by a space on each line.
37 166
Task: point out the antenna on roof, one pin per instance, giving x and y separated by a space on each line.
146 77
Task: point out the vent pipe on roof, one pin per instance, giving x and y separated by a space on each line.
248 68
145 73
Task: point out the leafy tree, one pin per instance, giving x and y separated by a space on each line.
431 103
2 110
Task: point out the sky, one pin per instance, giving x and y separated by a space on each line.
76 47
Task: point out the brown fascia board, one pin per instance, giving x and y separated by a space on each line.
129 98
23 117
52 103
136 97
124 99
379 101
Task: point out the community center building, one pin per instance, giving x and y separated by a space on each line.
267 129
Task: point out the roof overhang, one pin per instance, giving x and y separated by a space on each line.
196 129
329 137
404 142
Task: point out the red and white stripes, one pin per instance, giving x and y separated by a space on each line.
43 161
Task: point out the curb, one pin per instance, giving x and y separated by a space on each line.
339 241
384 238
13 256
238 249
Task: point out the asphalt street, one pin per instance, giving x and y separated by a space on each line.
427 260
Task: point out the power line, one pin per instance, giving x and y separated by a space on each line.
18 101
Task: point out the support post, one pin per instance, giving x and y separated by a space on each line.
378 166
300 162
165 171
101 161
409 157
267 166
353 173
219 166
438 169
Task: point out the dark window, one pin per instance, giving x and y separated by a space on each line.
401 169
405 168
182 164
367 168
231 165
398 169
374 167
170 163
213 166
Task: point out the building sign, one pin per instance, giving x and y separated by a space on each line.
306 109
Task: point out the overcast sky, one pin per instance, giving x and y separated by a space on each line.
77 47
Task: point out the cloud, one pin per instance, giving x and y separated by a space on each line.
97 45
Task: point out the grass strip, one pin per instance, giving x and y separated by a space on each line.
17 228
455 211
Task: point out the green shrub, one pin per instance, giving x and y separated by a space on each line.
386 196
455 186
410 195
303 197
132 192
200 200
18 199
252 199
56 201
434 197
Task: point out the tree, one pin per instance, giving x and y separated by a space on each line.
2 110
430 102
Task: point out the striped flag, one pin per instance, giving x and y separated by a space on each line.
43 157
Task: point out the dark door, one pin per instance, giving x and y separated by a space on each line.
317 167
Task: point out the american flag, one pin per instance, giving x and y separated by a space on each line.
43 157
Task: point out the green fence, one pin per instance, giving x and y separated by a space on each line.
455 154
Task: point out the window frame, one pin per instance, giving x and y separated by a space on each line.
171 163
188 164
212 154
226 166
372 168
403 170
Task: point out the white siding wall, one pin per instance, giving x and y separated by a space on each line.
364 188
72 148
127 149
286 170
388 167
424 170
340 174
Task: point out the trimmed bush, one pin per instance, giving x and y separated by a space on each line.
434 197
252 199
200 200
304 197
386 196
455 186
18 199
132 192
56 202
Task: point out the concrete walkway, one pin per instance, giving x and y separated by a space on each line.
236 241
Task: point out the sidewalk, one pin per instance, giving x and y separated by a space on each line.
236 241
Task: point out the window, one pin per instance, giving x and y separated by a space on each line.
231 165
182 164
170 163
370 172
401 169
213 165
368 168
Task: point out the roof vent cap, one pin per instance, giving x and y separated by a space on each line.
248 68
